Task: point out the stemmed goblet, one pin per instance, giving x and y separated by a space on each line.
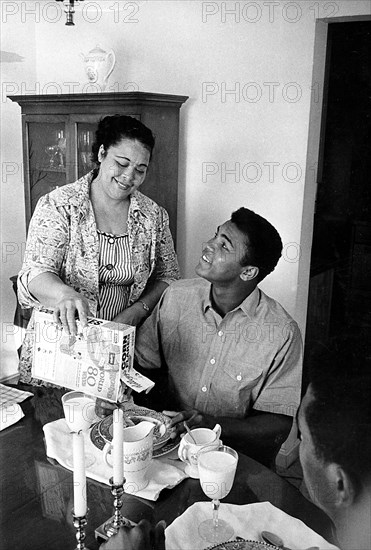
217 469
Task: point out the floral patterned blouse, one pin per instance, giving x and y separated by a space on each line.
63 239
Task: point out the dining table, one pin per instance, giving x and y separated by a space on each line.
36 496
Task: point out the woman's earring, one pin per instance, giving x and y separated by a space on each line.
101 153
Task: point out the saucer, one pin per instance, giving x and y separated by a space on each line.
243 545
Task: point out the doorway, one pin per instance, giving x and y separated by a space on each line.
339 299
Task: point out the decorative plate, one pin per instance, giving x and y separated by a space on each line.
161 434
167 448
243 545
96 438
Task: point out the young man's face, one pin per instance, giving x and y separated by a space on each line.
314 469
221 258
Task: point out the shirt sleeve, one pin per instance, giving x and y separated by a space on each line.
45 248
281 390
167 268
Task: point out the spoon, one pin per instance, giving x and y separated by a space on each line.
189 432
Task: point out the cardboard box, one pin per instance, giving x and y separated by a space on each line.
94 361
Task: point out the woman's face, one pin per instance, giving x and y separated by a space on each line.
123 168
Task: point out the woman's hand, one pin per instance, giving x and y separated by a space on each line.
140 537
133 315
69 305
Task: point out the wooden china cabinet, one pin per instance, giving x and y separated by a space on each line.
58 132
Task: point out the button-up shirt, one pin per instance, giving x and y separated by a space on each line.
224 366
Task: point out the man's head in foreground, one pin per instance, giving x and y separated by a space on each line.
334 420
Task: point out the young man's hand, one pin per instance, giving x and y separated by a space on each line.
193 418
104 408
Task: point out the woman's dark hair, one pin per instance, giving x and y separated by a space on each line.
339 416
263 243
112 129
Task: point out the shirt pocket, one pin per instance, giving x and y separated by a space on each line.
239 380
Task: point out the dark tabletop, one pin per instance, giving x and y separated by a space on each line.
36 494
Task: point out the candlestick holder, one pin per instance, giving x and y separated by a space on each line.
113 524
80 523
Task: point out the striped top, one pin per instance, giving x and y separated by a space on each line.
116 274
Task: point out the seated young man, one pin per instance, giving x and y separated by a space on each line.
335 424
231 353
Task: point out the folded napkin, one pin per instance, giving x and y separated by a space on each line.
163 472
10 411
248 522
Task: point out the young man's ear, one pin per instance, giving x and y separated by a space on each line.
344 492
249 273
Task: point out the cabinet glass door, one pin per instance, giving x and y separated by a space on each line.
47 158
85 139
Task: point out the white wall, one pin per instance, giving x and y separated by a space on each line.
262 51
17 43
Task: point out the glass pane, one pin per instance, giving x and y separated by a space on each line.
85 139
47 158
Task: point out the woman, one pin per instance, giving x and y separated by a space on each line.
98 246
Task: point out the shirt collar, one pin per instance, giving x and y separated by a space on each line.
250 303
206 298
248 306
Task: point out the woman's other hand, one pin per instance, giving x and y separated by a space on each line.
69 305
133 315
140 537
104 408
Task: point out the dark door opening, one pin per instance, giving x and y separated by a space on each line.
340 279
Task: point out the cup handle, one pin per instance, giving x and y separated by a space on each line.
182 452
106 452
217 429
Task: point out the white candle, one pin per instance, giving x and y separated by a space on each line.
79 477
118 446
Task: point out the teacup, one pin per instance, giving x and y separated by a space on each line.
138 449
188 449
79 410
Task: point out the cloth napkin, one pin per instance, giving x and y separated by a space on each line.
163 471
248 522
10 411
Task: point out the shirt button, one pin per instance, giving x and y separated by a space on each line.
239 378
109 267
212 361
204 388
111 241
220 333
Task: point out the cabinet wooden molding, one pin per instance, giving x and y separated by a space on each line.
58 132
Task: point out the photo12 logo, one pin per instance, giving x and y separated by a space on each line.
251 172
60 88
271 11
253 92
54 11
